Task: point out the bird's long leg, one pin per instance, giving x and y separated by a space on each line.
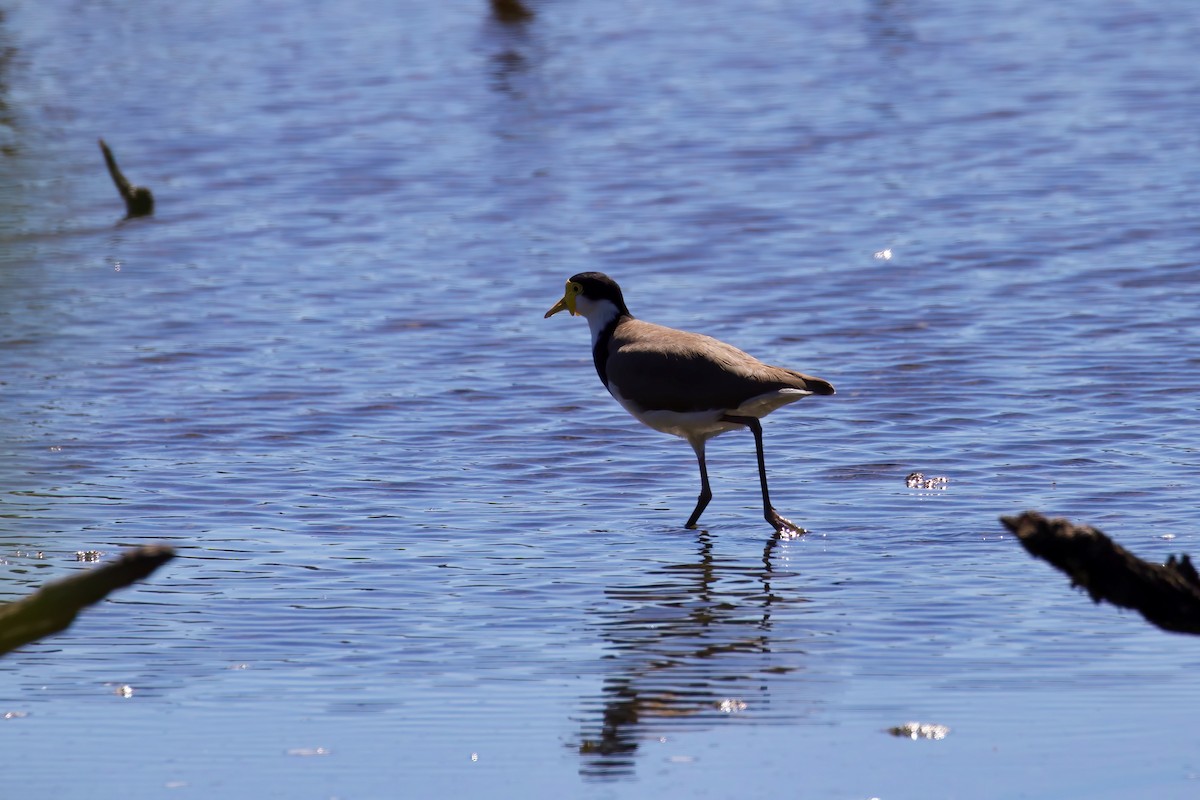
705 489
782 525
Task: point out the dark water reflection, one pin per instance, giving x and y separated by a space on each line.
512 47
688 643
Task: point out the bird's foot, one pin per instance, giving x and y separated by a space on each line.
784 528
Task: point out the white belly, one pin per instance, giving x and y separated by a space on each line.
701 425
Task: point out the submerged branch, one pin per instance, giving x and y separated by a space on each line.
1166 595
53 607
139 201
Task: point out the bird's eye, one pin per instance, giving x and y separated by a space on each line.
576 288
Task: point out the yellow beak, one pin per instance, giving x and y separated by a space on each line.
566 304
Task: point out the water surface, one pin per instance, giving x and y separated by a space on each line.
423 553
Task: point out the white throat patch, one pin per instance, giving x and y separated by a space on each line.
598 313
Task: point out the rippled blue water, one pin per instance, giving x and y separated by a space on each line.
423 553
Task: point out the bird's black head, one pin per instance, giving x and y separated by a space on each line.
598 286
593 295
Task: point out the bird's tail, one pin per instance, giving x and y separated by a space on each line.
813 384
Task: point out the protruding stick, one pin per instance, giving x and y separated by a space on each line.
54 607
1166 595
139 202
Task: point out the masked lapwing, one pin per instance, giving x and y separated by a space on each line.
685 384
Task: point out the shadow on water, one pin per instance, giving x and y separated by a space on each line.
10 178
7 122
891 39
511 53
27 167
888 28
691 645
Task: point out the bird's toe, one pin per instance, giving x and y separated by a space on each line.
784 527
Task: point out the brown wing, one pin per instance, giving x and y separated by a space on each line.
663 368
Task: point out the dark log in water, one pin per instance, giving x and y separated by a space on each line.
53 607
1166 595
139 202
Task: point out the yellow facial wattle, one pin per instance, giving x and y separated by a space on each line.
567 303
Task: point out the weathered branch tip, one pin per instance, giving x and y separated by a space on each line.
1166 595
54 607
139 201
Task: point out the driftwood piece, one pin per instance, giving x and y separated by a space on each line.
139 201
1166 595
53 607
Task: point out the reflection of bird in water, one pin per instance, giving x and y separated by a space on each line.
512 33
511 11
686 384
139 202
690 643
